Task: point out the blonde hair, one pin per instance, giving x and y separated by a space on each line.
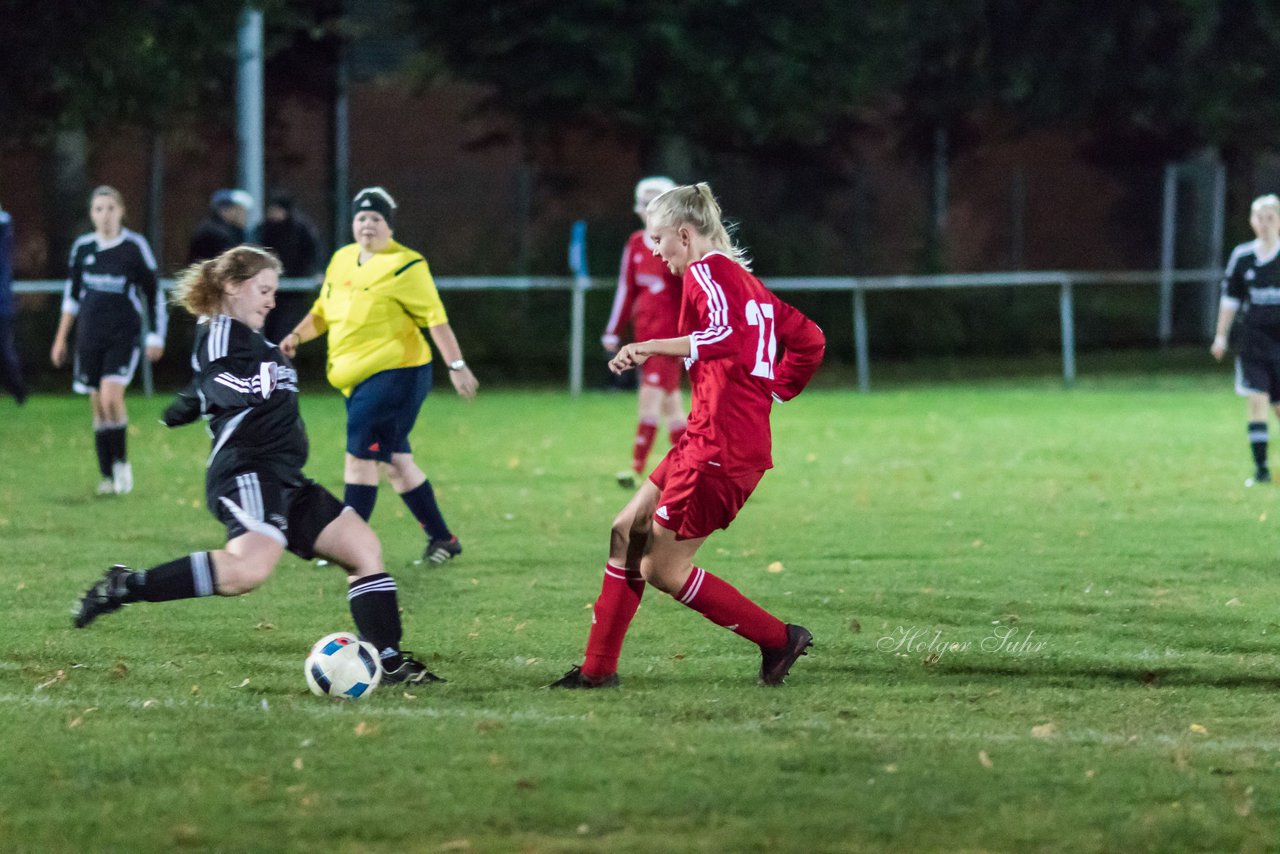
696 207
1268 201
201 286
105 190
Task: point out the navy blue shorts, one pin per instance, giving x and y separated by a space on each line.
381 412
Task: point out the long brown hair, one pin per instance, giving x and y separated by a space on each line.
201 286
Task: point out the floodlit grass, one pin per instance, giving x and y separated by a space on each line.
1045 621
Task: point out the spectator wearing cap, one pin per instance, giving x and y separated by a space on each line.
290 235
222 227
375 298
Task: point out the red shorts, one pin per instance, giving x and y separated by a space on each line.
662 372
692 502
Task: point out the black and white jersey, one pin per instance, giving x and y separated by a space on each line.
111 286
1252 284
248 390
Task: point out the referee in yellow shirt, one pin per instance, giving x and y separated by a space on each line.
376 297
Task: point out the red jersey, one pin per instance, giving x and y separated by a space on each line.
735 325
648 295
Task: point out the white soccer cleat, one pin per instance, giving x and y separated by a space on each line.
121 478
106 486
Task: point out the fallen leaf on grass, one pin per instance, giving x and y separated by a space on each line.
1048 730
195 689
584 829
297 763
60 676
363 728
1233 602
244 683
455 845
79 719
891 768
776 566
146 704
409 696
526 785
119 670
264 627
1090 774
1198 728
488 725
1244 806
984 760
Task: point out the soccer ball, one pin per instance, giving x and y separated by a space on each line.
343 666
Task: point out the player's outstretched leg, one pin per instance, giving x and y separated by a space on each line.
188 577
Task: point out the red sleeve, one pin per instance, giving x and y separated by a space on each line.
804 346
714 336
624 297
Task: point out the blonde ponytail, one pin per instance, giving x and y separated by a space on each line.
696 206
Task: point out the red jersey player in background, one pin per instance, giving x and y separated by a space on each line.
730 329
648 297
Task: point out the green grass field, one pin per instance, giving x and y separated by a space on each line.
1045 621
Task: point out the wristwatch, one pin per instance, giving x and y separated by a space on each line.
457 365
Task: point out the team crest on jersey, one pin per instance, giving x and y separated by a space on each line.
1250 275
89 259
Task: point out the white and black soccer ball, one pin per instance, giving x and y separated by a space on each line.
343 666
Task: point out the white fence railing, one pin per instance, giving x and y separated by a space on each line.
856 286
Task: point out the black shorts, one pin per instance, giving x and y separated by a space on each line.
292 514
1258 375
97 358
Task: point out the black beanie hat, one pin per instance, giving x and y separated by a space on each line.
375 199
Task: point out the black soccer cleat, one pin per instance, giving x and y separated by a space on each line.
1262 475
108 594
411 672
626 479
775 663
575 678
439 551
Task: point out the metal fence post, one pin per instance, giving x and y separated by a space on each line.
861 353
577 303
1066 312
1168 237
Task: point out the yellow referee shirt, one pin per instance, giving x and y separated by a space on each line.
374 311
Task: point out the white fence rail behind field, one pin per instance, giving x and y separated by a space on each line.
856 286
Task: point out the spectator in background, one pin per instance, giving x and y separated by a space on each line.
10 368
291 236
223 227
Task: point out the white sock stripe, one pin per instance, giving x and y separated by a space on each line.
202 573
387 586
694 586
614 572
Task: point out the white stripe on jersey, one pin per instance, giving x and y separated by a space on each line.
219 337
718 327
143 247
226 434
